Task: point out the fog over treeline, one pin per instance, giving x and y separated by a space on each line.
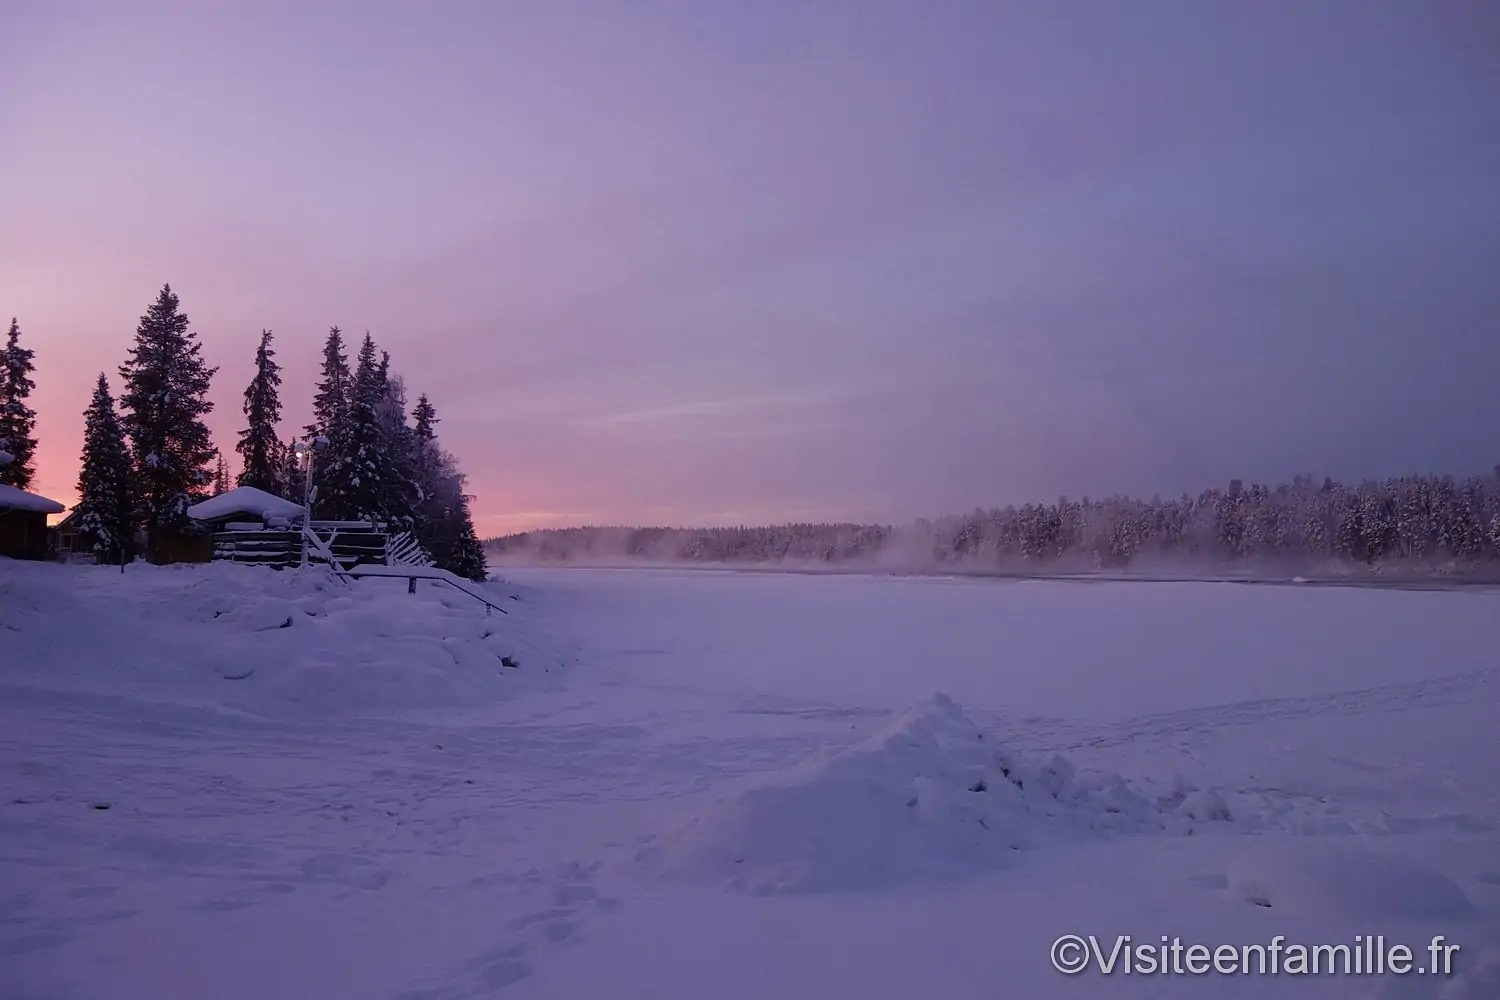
1415 524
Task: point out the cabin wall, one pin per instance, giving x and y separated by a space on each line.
165 548
274 547
23 534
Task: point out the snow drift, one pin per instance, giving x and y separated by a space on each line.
274 644
1345 880
932 798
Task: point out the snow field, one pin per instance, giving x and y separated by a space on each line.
728 785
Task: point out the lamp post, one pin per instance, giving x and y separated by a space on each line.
311 450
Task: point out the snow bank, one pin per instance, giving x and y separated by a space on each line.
1475 976
931 798
1345 879
246 500
294 643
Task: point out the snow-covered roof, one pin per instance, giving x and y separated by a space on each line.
245 500
14 499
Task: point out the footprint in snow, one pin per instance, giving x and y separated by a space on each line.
486 973
571 897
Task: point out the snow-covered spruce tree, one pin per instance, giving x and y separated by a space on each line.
398 442
330 413
104 502
424 419
164 401
332 396
467 557
424 462
17 420
358 468
259 445
437 480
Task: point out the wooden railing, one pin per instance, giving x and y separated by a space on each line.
347 543
401 549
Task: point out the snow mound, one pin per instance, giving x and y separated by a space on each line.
1475 976
260 614
1345 880
933 797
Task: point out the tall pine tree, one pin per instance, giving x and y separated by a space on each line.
104 501
332 397
221 475
259 446
444 524
17 420
399 444
328 427
164 401
429 509
467 556
424 419
359 470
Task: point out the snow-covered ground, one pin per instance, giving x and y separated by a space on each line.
222 782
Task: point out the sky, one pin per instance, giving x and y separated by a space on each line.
746 261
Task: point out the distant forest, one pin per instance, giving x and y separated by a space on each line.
1414 524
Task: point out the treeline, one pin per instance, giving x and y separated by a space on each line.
1413 523
150 457
804 542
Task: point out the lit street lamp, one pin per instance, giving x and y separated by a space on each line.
309 494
